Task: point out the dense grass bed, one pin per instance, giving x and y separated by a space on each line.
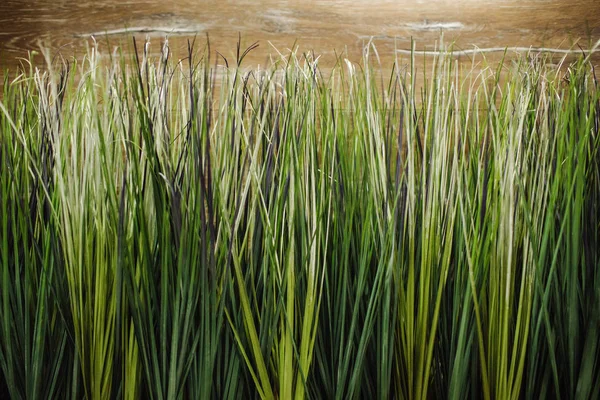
179 230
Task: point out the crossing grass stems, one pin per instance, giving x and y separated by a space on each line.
186 229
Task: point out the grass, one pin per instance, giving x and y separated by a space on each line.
187 230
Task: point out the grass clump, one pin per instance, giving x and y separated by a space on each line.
183 230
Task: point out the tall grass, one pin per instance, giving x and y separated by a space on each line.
193 230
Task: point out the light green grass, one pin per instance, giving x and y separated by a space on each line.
179 230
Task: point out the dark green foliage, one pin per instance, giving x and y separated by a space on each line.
183 230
